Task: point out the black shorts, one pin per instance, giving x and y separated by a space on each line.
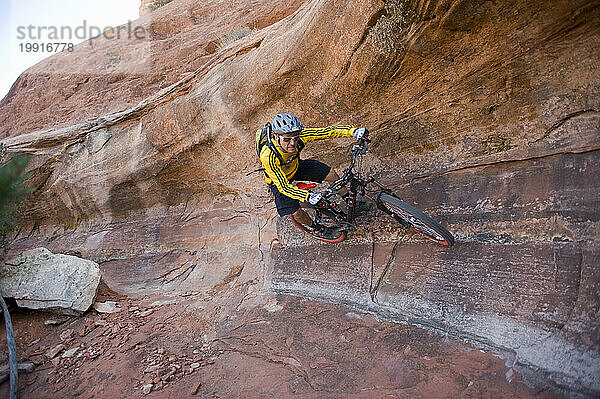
308 170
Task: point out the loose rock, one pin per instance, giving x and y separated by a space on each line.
146 389
54 322
66 335
106 307
51 353
70 353
152 368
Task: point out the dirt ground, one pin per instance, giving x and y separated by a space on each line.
240 342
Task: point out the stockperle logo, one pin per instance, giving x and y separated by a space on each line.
66 35
32 30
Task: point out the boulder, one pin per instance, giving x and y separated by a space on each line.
39 279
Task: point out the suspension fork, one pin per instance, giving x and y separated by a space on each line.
353 191
382 189
381 186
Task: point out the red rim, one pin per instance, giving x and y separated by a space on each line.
444 242
302 227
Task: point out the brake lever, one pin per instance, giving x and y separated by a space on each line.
361 146
329 191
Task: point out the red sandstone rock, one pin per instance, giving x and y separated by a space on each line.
486 115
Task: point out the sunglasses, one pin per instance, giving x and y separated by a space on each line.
289 139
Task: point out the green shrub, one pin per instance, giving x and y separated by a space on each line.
234 35
12 192
157 4
495 143
389 32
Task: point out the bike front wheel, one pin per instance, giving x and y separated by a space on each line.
325 218
414 219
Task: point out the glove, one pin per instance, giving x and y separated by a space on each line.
314 199
361 133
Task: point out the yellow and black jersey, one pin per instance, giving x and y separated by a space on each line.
280 172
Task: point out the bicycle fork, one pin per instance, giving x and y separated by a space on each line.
383 189
352 200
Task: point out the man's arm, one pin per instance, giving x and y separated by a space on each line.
329 132
273 169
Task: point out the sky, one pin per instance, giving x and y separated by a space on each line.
27 23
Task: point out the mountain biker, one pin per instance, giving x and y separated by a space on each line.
288 139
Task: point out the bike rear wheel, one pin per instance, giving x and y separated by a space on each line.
414 219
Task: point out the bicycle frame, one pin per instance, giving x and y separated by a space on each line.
327 211
356 184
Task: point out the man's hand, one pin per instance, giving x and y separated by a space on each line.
361 133
314 198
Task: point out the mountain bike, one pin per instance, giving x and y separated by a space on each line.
327 212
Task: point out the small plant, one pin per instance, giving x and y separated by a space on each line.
233 36
156 4
388 33
495 144
12 192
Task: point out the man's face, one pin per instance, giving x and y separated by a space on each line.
288 142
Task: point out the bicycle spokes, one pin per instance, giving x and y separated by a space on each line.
414 219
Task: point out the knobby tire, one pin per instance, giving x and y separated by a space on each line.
417 220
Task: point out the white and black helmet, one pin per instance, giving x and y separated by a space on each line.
286 123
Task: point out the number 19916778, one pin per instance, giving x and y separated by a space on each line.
45 47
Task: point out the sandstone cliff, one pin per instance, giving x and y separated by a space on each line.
484 114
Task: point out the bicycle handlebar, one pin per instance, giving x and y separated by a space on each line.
361 147
362 142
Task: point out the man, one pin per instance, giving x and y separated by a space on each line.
288 139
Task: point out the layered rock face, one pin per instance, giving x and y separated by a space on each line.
484 114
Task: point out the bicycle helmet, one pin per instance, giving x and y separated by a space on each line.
286 124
